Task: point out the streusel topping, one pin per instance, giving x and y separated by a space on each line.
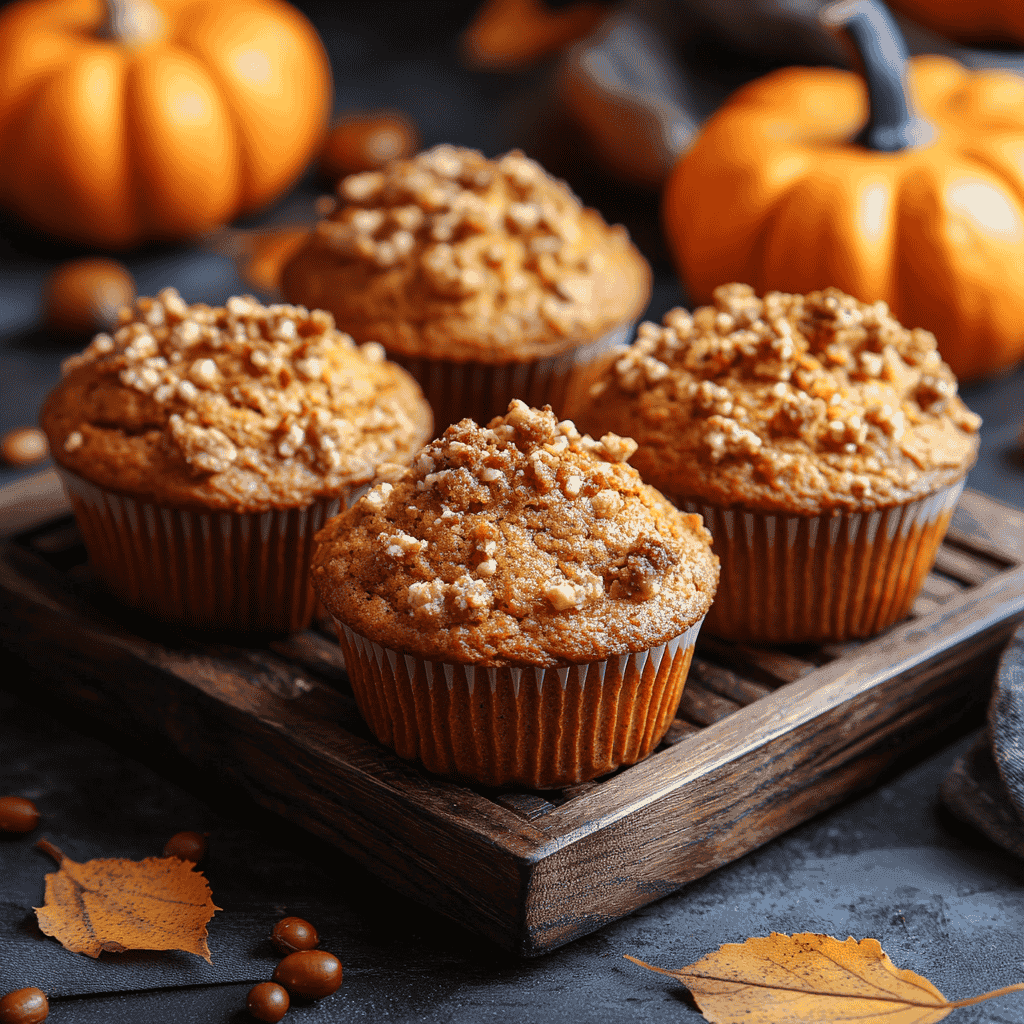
452 249
243 405
522 541
790 403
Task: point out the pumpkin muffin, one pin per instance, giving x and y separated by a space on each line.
823 443
517 608
486 279
203 447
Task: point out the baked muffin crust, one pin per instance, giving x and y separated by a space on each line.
241 408
789 403
522 542
451 254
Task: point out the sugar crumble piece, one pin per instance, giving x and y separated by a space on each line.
205 449
561 596
618 449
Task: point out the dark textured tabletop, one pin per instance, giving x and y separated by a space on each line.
892 864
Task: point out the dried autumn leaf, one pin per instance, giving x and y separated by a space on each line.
113 904
811 979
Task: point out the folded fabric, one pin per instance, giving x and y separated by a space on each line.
986 786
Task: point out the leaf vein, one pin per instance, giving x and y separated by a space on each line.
875 984
77 891
812 991
114 898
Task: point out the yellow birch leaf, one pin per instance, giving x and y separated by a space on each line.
110 905
811 979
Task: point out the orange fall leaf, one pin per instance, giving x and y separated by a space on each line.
811 979
110 905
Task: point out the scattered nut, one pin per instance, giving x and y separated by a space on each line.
267 1001
366 142
292 934
309 973
186 846
84 296
18 815
23 446
24 1006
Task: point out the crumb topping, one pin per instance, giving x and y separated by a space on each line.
818 398
266 398
500 238
511 534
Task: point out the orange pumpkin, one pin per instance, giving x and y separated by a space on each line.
778 192
133 120
970 21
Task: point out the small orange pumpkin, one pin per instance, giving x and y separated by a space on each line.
778 192
129 120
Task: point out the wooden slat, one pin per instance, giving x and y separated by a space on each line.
966 566
988 526
703 706
527 805
680 730
726 683
923 605
775 665
313 652
572 792
940 588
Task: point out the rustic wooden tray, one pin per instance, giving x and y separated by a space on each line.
764 739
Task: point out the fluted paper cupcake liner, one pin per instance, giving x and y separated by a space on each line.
222 570
483 390
815 578
519 726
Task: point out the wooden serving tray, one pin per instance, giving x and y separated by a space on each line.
765 737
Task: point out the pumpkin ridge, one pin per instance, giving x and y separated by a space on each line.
1016 187
164 203
137 216
9 131
53 66
278 19
67 199
243 162
758 249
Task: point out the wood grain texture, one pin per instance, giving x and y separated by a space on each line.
765 738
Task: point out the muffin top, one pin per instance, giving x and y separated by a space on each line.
789 403
451 254
242 408
522 542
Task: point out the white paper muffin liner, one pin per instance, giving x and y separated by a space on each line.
484 390
519 726
222 570
815 578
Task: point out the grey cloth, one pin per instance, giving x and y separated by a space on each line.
986 786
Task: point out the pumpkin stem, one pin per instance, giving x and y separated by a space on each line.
131 22
869 30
